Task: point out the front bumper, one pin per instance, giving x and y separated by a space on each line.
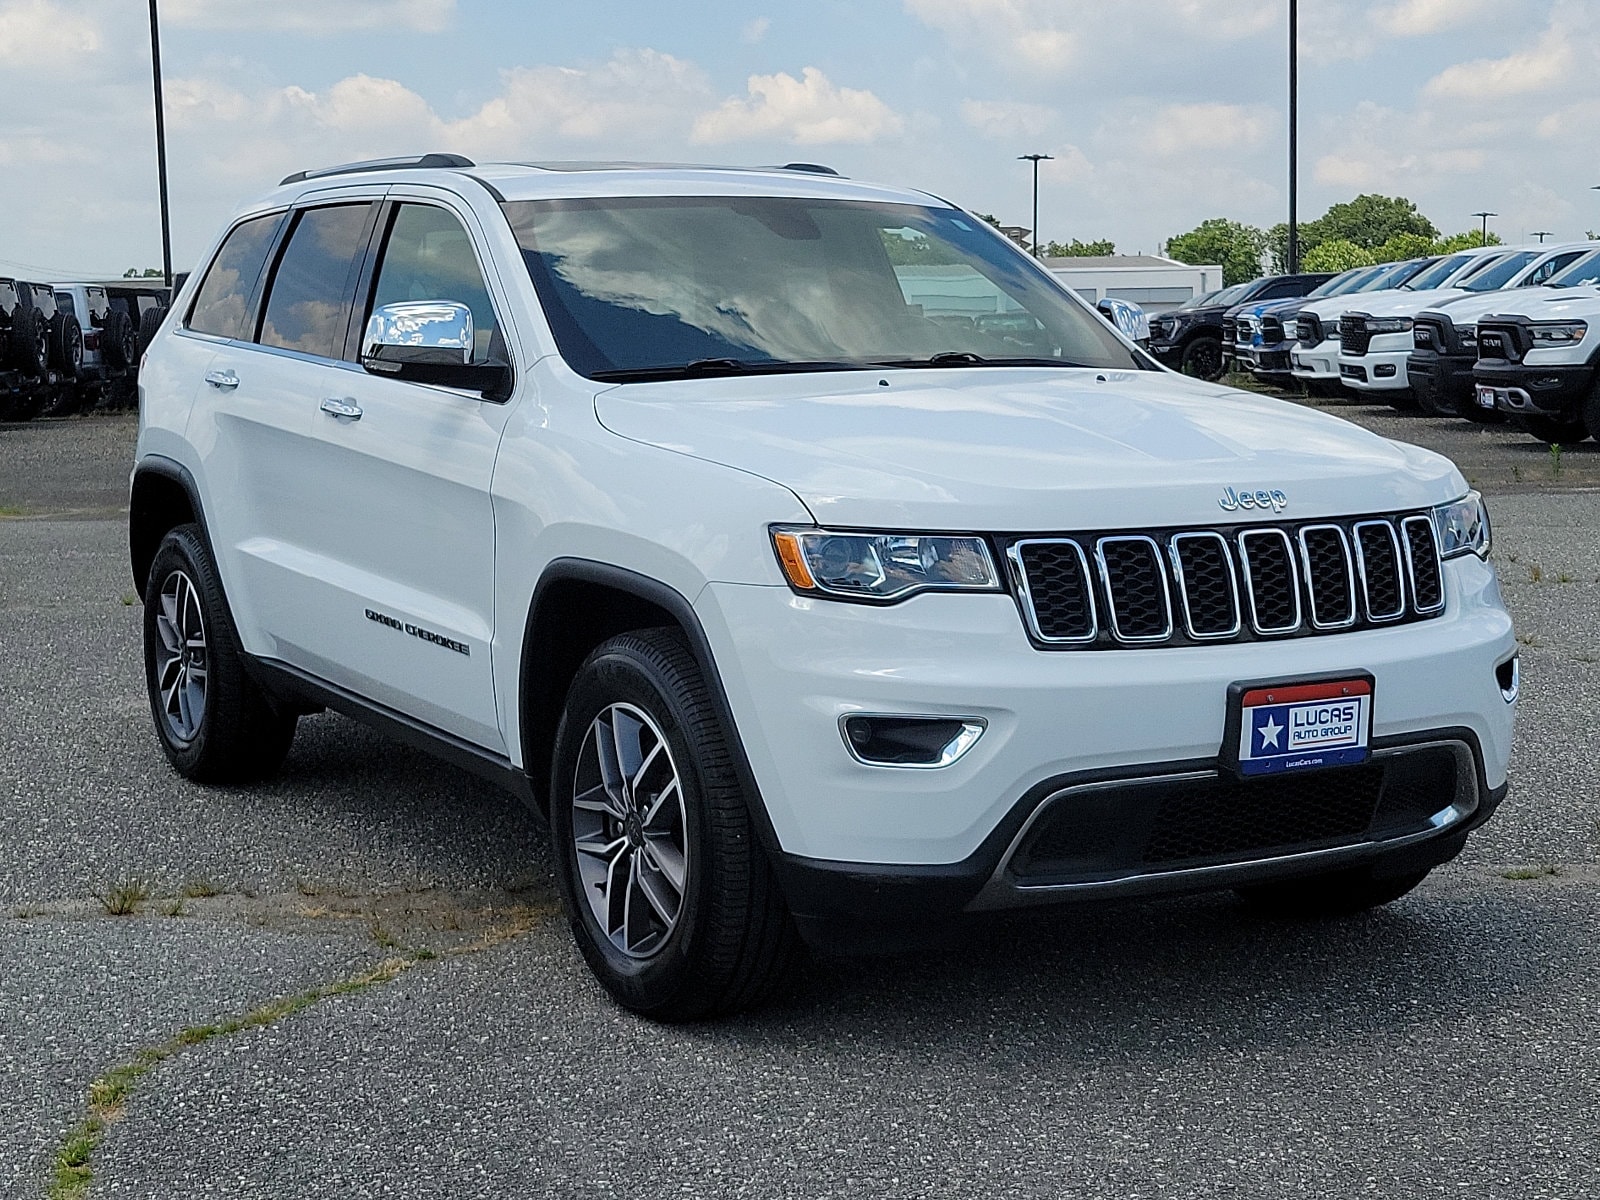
1380 369
1319 364
1167 353
1548 391
793 666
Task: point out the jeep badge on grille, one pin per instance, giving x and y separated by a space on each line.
1233 501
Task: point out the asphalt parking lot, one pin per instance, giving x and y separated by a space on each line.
354 981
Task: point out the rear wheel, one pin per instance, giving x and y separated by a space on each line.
214 723
1554 430
1334 894
671 899
1202 358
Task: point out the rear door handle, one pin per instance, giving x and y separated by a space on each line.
226 380
348 409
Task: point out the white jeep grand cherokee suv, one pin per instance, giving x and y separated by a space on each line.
815 560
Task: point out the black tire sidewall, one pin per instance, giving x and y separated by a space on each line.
1209 347
619 673
176 554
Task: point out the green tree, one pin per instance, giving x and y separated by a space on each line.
1234 246
1077 249
147 273
1335 255
1403 246
1467 239
1368 221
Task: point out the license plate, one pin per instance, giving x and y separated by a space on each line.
1485 397
1298 725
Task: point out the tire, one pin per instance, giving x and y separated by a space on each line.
119 340
728 941
1479 415
66 347
149 322
1335 894
1401 400
30 341
1553 430
1326 389
1431 401
1591 411
1202 358
215 725
68 399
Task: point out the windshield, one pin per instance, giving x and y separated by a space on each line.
1434 276
1583 273
666 286
1339 285
1499 272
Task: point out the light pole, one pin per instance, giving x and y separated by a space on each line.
1035 159
1485 216
161 147
1541 234
1293 257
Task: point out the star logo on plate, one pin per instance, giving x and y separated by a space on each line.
1269 731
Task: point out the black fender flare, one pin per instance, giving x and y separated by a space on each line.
169 469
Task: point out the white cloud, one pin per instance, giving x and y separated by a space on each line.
311 16
1419 18
1033 34
40 35
1008 118
1178 130
1542 67
810 110
755 30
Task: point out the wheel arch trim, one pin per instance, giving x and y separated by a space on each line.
141 545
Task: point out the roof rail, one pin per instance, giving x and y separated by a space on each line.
381 164
809 168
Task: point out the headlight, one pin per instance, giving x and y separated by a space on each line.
1246 324
883 566
1388 324
1467 335
1558 333
1463 527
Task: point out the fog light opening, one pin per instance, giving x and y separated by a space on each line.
882 740
1509 676
1386 371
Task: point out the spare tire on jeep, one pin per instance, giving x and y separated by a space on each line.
149 321
119 340
66 346
30 345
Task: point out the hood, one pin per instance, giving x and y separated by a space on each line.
1331 308
1404 304
1545 304
1018 450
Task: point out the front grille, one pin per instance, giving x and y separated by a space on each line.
1354 337
1271 331
1192 586
1153 826
1308 328
1500 342
1230 330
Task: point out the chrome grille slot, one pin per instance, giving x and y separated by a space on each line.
1423 565
1378 563
1057 590
1139 606
1267 561
1207 588
1330 576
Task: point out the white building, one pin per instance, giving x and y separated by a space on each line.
1154 284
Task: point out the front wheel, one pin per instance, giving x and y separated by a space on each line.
671 899
1203 358
1334 894
214 723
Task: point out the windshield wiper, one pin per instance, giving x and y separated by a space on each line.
961 358
716 366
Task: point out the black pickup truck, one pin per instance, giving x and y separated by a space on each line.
1192 339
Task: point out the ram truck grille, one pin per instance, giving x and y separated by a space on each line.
1354 337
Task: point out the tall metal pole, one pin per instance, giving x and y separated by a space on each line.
1035 159
161 147
1293 262
1485 216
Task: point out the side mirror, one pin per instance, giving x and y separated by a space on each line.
430 341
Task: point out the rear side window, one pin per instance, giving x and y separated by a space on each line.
65 304
428 256
223 303
308 305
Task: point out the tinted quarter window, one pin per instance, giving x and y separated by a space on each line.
64 303
222 305
428 256
308 306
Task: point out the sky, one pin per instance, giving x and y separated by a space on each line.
1159 113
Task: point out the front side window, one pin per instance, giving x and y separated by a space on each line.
1583 273
308 305
428 256
222 305
660 287
1499 272
1434 276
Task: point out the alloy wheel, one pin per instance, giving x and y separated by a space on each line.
629 830
182 658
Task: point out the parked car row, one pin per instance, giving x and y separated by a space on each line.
68 347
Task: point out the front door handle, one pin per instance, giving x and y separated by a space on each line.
348 409
226 380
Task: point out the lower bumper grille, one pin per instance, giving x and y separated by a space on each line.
1188 822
